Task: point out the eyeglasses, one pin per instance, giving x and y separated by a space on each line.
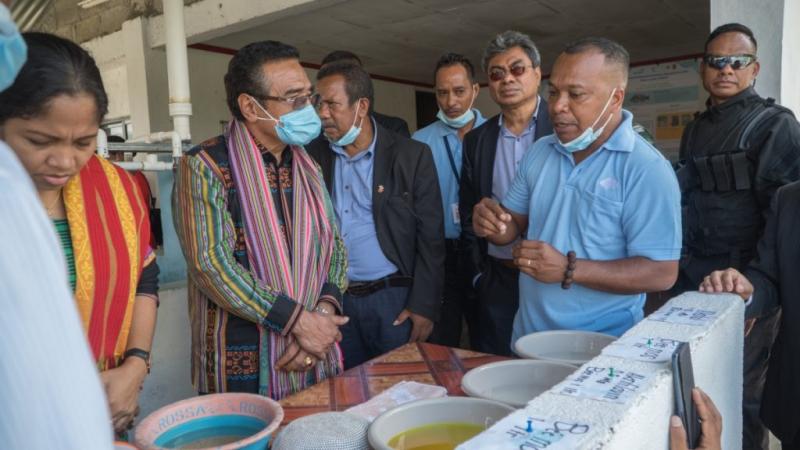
737 62
498 73
297 102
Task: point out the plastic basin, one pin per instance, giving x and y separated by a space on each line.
566 346
514 382
230 421
439 410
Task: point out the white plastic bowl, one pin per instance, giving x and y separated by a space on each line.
514 382
438 410
566 346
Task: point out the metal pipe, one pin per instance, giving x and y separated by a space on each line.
180 106
102 143
158 136
146 166
141 147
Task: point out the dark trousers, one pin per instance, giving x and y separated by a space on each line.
756 348
458 301
795 445
497 292
370 331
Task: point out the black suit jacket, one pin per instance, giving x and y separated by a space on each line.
407 209
480 148
775 277
391 123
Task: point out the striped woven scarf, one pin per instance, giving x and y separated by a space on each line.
110 232
298 273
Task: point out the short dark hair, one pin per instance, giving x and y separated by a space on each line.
356 80
453 59
55 66
341 55
507 40
613 51
245 74
731 28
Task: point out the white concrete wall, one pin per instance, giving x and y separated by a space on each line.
765 18
642 422
209 108
170 377
115 79
790 67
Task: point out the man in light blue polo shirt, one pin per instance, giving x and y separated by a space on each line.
599 206
456 90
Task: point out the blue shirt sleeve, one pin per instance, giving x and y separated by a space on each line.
651 216
517 198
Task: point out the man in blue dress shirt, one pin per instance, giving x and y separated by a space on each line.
456 90
599 206
388 207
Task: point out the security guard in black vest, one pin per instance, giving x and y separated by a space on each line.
733 157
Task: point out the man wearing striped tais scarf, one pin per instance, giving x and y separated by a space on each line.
266 264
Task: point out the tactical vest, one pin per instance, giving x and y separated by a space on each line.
721 214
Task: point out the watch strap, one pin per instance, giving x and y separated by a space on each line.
138 353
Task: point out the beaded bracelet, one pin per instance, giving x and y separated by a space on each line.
571 261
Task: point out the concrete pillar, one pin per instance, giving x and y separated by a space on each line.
790 69
774 24
147 80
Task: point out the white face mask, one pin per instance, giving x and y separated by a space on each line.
351 135
460 121
589 135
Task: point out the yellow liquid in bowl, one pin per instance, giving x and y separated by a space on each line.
437 436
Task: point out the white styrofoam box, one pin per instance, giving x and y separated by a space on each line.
643 421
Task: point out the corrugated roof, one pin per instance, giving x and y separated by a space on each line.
27 13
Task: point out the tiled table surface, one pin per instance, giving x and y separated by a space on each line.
421 362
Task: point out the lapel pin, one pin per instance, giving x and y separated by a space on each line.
380 189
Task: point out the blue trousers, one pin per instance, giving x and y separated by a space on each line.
370 332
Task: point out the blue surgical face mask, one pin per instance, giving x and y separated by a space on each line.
13 51
460 121
589 135
352 133
298 127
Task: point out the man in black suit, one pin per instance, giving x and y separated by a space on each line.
391 123
388 206
773 282
492 153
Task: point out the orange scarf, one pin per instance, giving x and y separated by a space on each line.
110 231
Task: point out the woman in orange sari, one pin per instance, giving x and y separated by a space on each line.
50 117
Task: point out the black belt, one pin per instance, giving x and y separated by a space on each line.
364 288
505 262
451 244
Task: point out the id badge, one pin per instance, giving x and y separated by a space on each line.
454 212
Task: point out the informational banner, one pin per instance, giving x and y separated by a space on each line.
664 98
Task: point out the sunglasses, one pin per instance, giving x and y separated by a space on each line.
737 62
498 73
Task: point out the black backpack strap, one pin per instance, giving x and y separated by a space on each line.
768 113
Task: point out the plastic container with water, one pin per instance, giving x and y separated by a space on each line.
231 421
